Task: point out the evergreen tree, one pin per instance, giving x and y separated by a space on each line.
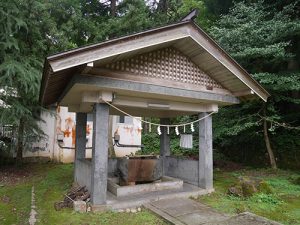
19 74
29 32
262 39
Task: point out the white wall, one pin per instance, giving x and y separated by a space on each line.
130 134
64 124
44 147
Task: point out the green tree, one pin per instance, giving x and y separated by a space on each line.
19 75
262 39
29 32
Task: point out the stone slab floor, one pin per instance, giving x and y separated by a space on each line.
183 211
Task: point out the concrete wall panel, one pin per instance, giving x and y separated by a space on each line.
184 169
83 173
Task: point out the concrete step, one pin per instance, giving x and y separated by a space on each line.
165 183
135 200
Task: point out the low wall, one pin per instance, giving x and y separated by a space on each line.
112 166
83 169
184 169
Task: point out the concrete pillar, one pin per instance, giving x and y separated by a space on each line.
164 143
99 154
80 141
164 138
205 179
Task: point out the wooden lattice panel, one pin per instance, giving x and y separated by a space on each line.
166 64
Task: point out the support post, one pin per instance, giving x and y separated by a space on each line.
164 142
205 169
99 154
80 141
164 138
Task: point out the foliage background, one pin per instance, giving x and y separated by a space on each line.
263 36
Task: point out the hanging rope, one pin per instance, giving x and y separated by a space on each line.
157 124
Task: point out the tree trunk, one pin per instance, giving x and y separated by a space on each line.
146 126
111 151
20 138
163 6
267 141
113 6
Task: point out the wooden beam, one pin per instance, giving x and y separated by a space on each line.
243 93
96 96
216 52
141 42
159 91
172 105
124 75
191 16
88 98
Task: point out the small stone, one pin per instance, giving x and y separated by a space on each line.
88 209
79 206
128 210
139 209
121 210
133 210
235 191
5 199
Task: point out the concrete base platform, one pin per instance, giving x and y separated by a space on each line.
164 183
131 201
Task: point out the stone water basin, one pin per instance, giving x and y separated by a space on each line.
139 169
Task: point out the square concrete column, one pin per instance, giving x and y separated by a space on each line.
164 138
205 152
80 141
164 143
99 154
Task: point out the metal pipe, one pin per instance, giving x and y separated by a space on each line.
128 146
118 144
63 147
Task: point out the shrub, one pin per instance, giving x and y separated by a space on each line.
297 181
247 187
264 187
266 198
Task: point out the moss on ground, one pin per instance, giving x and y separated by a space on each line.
15 204
51 181
282 204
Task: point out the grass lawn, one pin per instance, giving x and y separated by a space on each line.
51 181
283 205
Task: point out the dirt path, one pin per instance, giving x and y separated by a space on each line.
33 213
